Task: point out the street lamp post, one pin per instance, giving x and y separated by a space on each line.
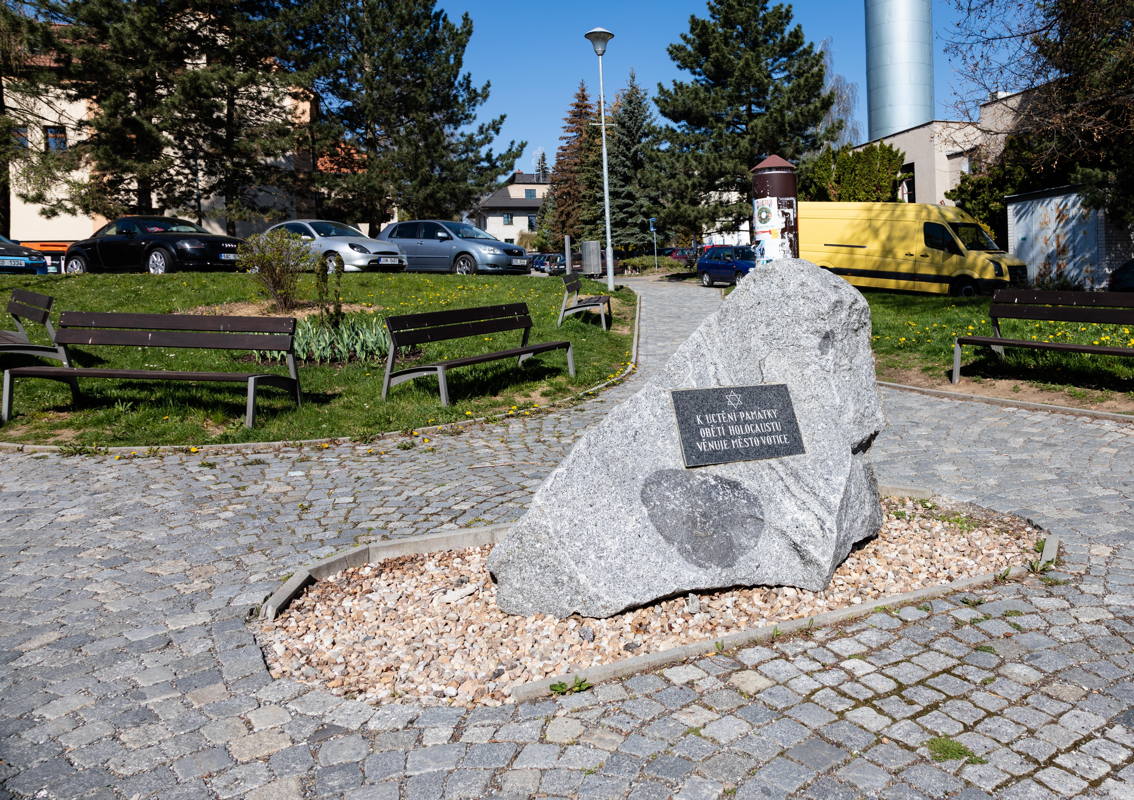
598 38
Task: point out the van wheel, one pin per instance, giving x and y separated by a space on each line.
706 280
964 287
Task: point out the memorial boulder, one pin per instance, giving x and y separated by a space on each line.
742 462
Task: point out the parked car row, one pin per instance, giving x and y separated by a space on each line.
166 244
19 260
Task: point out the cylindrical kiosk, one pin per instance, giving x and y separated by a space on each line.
775 226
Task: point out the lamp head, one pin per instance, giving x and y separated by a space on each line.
598 38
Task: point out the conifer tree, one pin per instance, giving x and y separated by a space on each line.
567 189
21 75
756 88
407 111
235 128
122 61
634 185
180 99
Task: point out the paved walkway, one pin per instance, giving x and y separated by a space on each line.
128 669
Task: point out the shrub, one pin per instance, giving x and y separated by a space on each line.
1056 280
277 259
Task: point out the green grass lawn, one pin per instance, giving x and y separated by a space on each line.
916 332
339 400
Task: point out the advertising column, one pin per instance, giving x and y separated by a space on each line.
775 226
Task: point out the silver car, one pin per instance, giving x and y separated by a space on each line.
435 245
341 244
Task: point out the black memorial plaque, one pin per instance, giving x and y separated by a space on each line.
736 423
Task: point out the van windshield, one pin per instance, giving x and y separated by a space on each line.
973 236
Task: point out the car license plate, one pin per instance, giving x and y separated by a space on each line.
387 260
519 262
228 256
11 262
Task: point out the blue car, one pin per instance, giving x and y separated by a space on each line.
725 263
19 260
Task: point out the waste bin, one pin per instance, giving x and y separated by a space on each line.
592 258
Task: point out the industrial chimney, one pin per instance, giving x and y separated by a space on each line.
899 65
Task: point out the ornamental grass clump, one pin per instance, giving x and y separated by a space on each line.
276 260
357 337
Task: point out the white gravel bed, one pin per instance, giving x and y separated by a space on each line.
426 627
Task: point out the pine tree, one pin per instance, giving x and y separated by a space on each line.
567 189
756 88
235 128
21 75
122 60
183 105
634 186
407 112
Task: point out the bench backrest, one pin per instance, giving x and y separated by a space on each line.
1116 308
175 330
571 284
435 326
31 307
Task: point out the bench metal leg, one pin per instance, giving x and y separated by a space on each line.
250 405
443 386
6 402
956 362
570 361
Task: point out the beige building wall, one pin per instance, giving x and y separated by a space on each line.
941 150
27 223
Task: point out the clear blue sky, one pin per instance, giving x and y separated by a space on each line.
534 54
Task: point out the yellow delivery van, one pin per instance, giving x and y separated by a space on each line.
915 247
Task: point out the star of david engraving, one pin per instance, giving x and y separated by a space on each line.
734 400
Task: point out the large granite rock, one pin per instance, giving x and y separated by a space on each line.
622 522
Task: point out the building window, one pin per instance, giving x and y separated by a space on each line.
529 194
906 189
20 137
54 138
507 219
531 222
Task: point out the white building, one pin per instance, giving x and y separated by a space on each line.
512 209
1063 242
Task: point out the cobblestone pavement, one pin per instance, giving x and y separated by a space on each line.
128 668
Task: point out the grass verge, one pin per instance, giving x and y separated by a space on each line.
913 343
339 399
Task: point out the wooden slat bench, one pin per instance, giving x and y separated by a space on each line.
1114 308
82 328
409 330
30 307
574 304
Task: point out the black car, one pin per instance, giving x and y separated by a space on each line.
19 260
153 244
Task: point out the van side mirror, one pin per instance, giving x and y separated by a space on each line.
443 235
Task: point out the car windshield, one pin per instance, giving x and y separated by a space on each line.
972 236
325 228
168 225
745 254
462 230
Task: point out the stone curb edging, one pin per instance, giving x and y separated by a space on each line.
375 552
649 661
1010 403
261 447
460 539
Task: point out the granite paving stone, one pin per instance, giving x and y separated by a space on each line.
129 666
